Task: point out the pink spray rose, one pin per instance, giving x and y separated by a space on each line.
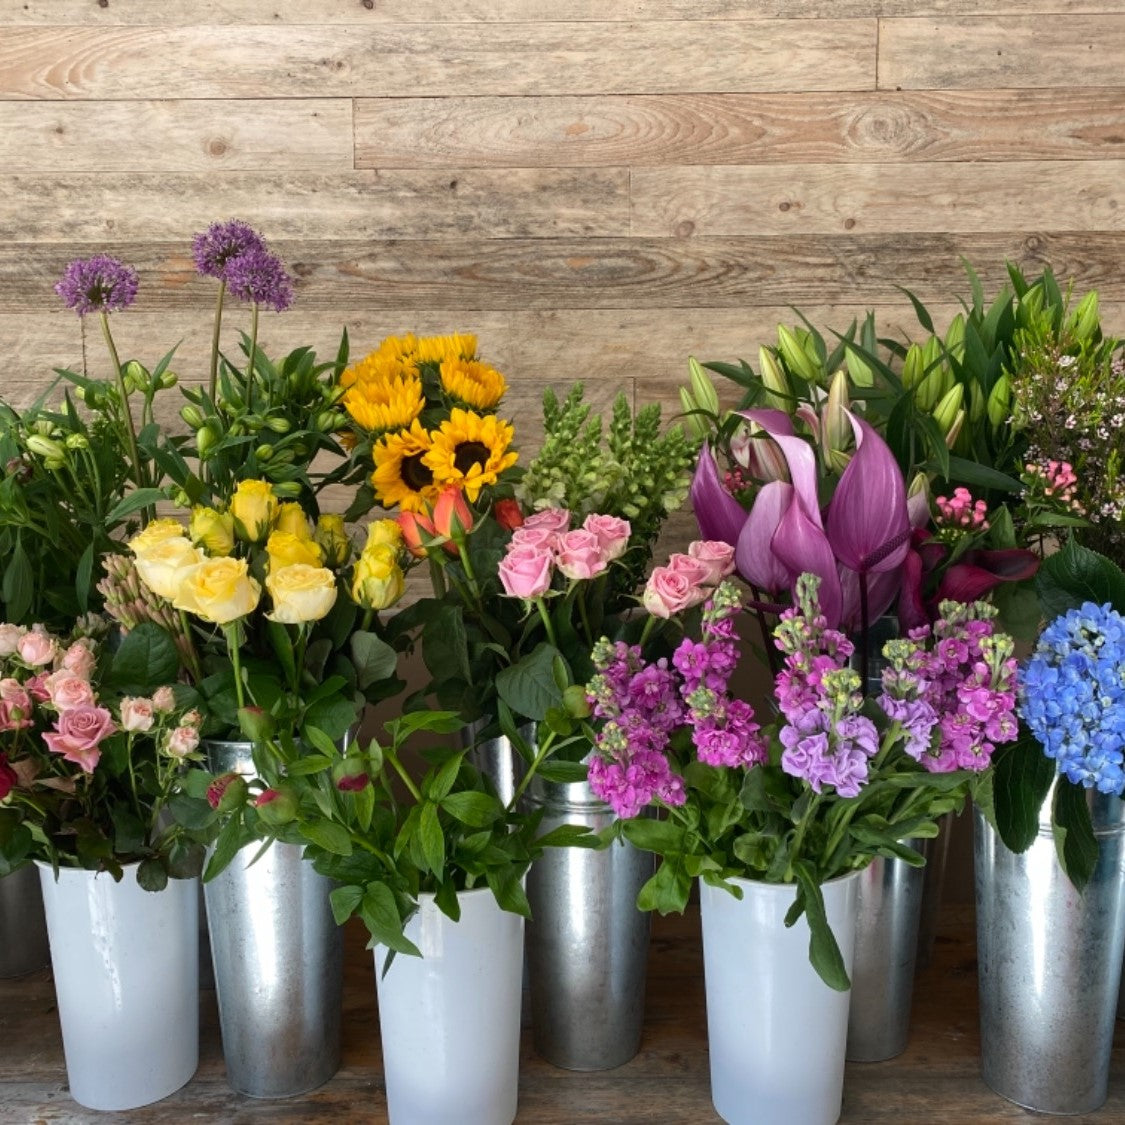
538 538
553 519
80 659
182 741
696 571
37 648
612 534
137 713
68 690
78 733
525 572
164 700
580 554
669 592
12 691
719 556
13 716
10 636
9 779
38 687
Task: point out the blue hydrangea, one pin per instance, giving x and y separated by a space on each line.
1072 696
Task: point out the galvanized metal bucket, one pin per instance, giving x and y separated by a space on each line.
496 757
586 943
278 960
23 927
935 851
1050 964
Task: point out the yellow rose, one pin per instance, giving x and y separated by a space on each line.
383 533
333 539
301 593
163 565
156 532
253 506
218 590
285 549
291 517
378 581
212 530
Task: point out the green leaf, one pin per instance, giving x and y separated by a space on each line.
380 915
570 836
345 902
329 835
439 722
232 838
18 588
507 886
529 687
1075 575
146 659
445 645
563 773
308 764
282 644
374 659
1074 834
320 741
82 574
477 810
665 837
920 311
667 891
190 812
824 951
432 838
334 716
964 471
134 502
151 875
446 778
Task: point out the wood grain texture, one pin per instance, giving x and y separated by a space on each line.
404 204
637 273
864 198
936 1081
675 129
177 136
243 61
146 12
1013 51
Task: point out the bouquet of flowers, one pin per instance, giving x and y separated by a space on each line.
837 780
94 739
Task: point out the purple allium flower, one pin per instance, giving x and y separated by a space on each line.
214 248
98 284
259 278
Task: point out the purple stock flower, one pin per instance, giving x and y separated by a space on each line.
98 284
214 248
259 278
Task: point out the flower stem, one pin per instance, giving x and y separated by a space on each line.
390 756
234 651
799 838
130 429
250 361
192 655
545 617
213 376
541 754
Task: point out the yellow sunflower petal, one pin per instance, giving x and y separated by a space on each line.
471 451
402 478
435 349
473 383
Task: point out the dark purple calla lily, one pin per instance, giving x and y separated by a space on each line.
977 572
719 515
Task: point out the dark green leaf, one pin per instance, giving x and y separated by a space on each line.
134 502
667 891
477 810
345 902
379 911
308 764
231 839
333 716
1074 834
151 875
1075 575
328 835
824 951
563 773
374 659
147 659
82 575
432 838
18 588
507 885
529 688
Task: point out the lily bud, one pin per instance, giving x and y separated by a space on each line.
946 411
136 377
862 373
205 439
837 428
168 380
931 390
77 441
1000 401
702 387
795 354
193 416
976 402
264 452
955 430
1084 319
918 500
695 424
913 367
775 381
955 337
47 448
287 488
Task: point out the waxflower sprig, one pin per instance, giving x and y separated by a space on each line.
834 782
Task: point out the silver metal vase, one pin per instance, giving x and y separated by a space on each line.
23 927
587 943
496 758
1050 963
278 960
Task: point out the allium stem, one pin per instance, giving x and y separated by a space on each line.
250 361
130 429
213 377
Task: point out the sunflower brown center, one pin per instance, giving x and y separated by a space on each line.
416 475
470 453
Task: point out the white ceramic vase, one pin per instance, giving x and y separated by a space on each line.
450 1021
126 969
776 1032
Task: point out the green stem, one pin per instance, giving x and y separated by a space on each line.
193 657
233 650
799 839
584 616
130 428
213 376
390 756
541 755
437 576
250 361
545 617
299 657
132 775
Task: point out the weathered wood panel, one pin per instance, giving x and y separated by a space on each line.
298 135
638 273
864 198
530 203
1013 51
675 129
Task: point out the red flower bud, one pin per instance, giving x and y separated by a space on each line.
276 806
227 792
452 515
353 783
507 514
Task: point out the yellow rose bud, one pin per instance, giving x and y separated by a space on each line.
333 539
156 532
383 533
253 507
218 590
163 566
378 581
286 549
291 518
301 593
212 530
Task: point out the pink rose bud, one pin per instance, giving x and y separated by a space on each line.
37 648
80 659
580 555
525 572
538 538
182 742
67 690
719 556
14 717
669 593
12 691
696 571
10 636
612 534
553 519
164 700
38 689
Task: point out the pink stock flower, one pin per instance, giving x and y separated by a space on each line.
68 690
668 592
580 555
137 713
10 636
718 556
80 659
183 741
612 534
553 519
164 700
525 572
37 648
78 733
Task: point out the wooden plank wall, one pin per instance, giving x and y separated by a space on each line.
598 188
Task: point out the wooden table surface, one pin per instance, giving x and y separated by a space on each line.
936 1080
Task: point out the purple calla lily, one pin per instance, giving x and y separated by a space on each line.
719 515
977 572
754 555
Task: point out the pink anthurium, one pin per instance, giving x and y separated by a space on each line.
977 572
754 554
719 515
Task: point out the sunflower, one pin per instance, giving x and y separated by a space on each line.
473 383
436 349
470 450
391 404
401 475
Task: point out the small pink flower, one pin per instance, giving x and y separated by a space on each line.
10 636
12 691
137 713
68 690
191 718
669 592
182 742
13 716
525 572
580 555
696 571
78 733
538 538
719 556
553 519
164 700
612 534
38 688
80 659
37 648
